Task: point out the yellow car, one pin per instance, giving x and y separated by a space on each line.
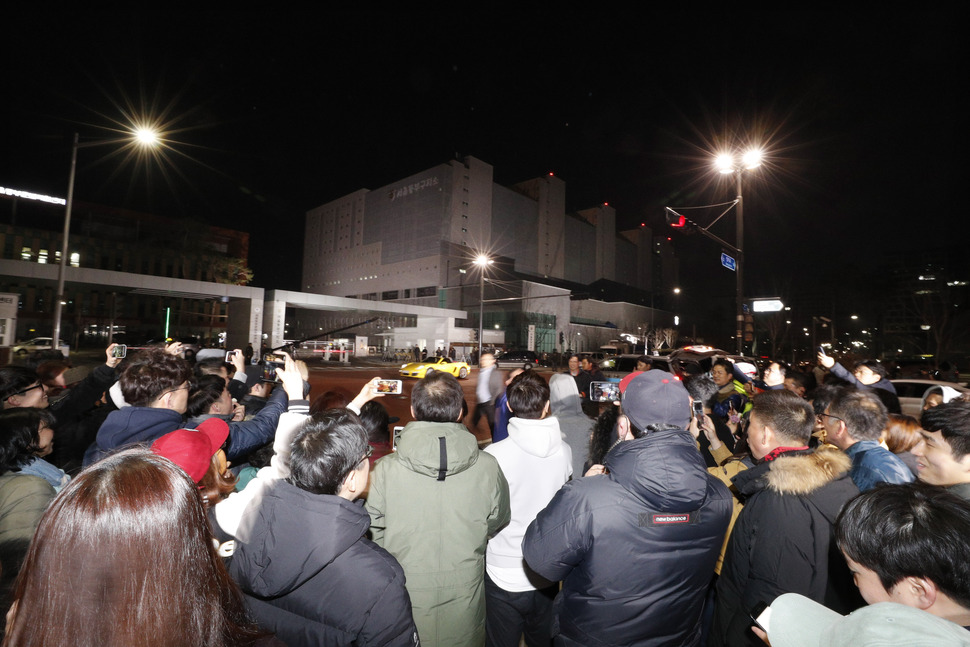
432 364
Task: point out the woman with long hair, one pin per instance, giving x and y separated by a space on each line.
123 557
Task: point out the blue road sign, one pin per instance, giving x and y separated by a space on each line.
729 262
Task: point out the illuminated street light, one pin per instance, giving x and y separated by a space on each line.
482 262
726 164
144 137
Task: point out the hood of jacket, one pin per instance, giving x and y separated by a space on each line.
135 425
540 438
292 536
564 396
436 448
663 468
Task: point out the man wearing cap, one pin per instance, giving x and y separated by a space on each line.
782 541
635 546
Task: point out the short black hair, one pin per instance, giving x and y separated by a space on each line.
701 387
824 395
911 530
528 394
438 398
374 417
875 366
725 364
789 416
805 380
207 389
863 413
952 420
212 366
327 448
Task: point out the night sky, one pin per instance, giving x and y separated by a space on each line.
268 114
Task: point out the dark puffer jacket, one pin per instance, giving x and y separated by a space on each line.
311 577
783 540
635 548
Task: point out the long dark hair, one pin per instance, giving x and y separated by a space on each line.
123 557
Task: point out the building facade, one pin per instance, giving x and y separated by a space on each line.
414 241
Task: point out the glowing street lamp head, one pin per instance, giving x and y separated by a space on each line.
724 163
483 260
751 158
146 136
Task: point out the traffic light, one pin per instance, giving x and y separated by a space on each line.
674 219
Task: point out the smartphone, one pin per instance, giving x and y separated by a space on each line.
389 386
698 409
604 391
120 350
821 351
270 364
396 437
230 355
761 616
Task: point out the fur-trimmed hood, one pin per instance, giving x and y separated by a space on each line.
803 474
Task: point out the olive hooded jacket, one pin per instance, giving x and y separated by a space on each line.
433 505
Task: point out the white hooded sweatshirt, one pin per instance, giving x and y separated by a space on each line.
536 463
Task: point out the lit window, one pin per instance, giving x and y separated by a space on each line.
42 256
26 254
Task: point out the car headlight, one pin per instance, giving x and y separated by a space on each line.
403 366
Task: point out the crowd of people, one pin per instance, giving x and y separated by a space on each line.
156 502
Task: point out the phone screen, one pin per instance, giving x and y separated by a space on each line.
396 437
604 391
119 350
698 409
389 386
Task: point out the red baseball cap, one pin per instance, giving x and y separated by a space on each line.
193 449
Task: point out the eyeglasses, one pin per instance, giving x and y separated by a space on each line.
819 417
368 454
186 387
30 388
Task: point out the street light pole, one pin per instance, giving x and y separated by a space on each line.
740 273
727 164
61 267
482 261
144 137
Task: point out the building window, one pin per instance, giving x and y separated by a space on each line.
42 256
26 254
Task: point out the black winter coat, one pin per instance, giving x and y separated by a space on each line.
783 541
635 548
310 576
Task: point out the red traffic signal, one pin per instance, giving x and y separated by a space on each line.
675 219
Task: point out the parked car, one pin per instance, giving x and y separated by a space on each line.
517 359
37 344
432 364
912 393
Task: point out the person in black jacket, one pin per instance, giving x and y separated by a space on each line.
783 539
635 544
302 560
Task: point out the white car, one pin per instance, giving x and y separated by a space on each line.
37 344
912 393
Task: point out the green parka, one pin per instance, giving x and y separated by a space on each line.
433 505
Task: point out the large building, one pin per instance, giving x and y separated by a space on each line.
118 242
414 241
